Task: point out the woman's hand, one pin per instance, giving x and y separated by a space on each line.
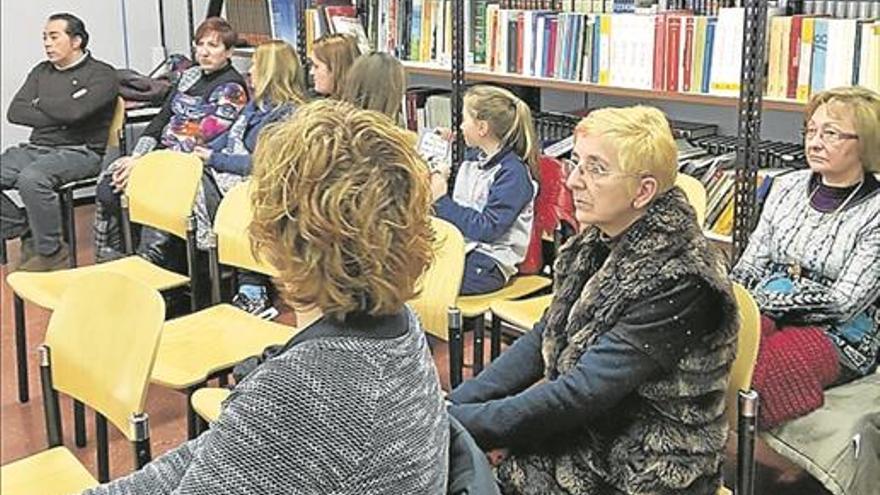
203 153
445 132
439 184
497 456
121 170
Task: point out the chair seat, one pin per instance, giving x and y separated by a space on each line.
206 402
195 346
51 472
524 313
518 287
45 289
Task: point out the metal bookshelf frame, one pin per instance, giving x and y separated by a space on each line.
749 128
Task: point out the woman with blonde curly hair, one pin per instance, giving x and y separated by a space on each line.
352 403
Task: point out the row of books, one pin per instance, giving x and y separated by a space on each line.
670 51
260 20
715 169
841 9
808 54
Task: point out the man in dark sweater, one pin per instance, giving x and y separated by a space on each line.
68 101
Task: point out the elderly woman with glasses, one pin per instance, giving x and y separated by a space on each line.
813 262
620 387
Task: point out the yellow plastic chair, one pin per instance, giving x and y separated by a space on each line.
696 195
66 191
474 308
206 402
208 343
747 341
101 355
439 287
160 194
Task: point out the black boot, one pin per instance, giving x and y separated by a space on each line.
162 249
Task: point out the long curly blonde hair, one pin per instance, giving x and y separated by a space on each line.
341 206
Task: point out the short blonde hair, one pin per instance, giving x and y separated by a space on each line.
341 207
279 75
509 119
643 140
339 52
377 82
860 104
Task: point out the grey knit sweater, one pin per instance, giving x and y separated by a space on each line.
838 255
351 408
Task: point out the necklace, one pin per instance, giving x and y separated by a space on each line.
794 265
840 207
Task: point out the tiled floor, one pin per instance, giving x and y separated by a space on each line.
22 430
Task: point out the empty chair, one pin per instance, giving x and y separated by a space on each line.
101 355
209 342
160 194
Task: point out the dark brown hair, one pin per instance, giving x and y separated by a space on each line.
218 25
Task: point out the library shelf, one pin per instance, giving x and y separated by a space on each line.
476 74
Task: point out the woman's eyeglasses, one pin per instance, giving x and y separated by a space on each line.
591 167
827 136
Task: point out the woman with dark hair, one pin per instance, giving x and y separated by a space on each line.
200 108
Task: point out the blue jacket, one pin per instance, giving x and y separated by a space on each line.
231 152
492 205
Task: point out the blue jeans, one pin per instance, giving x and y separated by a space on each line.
481 275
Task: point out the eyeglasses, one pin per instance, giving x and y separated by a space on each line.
827 136
592 168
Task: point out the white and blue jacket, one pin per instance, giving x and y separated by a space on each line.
493 206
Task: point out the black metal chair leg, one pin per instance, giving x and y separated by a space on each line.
103 448
478 325
79 424
21 348
67 211
495 336
456 348
195 425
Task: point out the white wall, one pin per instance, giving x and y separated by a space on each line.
22 21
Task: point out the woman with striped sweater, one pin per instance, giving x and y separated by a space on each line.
813 262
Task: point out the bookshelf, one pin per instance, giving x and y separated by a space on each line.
476 74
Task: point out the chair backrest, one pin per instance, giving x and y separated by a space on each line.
696 195
442 280
231 226
162 188
116 124
746 349
103 339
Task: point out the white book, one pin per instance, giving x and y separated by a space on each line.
539 45
841 43
727 52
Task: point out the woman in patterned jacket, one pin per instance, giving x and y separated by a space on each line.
813 261
199 109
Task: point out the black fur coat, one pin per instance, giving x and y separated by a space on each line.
669 437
